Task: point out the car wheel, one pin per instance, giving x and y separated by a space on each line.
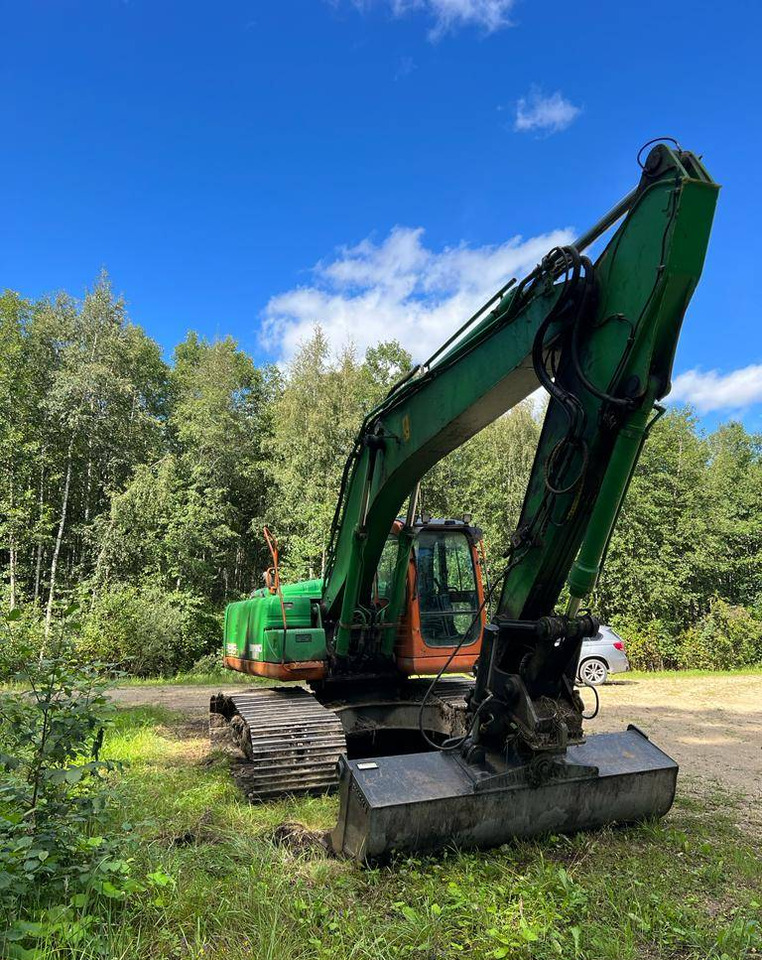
593 671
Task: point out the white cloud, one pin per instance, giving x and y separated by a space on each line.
448 15
544 114
398 289
711 390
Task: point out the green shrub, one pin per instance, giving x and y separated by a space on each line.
651 645
23 634
147 631
53 797
64 868
210 665
728 637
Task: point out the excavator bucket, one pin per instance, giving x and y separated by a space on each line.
419 802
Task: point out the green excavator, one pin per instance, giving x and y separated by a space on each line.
422 755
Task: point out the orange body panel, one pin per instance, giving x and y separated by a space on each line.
413 654
303 670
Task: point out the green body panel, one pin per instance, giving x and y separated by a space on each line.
300 645
647 274
303 588
254 627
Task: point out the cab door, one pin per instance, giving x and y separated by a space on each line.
445 594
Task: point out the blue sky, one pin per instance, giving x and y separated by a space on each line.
249 168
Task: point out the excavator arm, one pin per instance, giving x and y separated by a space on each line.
600 338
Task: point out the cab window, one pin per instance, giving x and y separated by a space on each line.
385 573
447 594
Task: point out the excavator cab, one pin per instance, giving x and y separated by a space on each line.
443 609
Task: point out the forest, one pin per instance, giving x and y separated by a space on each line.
137 489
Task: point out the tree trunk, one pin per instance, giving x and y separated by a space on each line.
41 504
59 539
38 573
12 571
12 547
88 483
100 571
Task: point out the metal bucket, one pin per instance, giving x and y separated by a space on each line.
428 801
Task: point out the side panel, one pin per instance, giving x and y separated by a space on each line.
256 642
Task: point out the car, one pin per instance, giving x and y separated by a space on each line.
600 656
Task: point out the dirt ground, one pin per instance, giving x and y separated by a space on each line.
712 726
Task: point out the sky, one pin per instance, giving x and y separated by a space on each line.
379 166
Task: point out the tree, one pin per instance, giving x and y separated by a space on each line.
188 517
662 561
19 396
734 485
487 477
317 417
81 404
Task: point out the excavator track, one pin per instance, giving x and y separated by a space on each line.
291 742
285 742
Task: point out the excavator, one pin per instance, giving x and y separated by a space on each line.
441 703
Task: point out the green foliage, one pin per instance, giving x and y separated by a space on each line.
651 644
23 637
185 519
141 487
691 525
726 638
487 477
316 419
53 797
148 631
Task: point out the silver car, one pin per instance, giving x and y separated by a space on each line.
601 655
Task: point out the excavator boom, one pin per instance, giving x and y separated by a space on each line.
601 339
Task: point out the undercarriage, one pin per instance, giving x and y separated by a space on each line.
287 740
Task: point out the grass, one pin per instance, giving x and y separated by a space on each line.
226 678
223 678
687 887
214 678
231 677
